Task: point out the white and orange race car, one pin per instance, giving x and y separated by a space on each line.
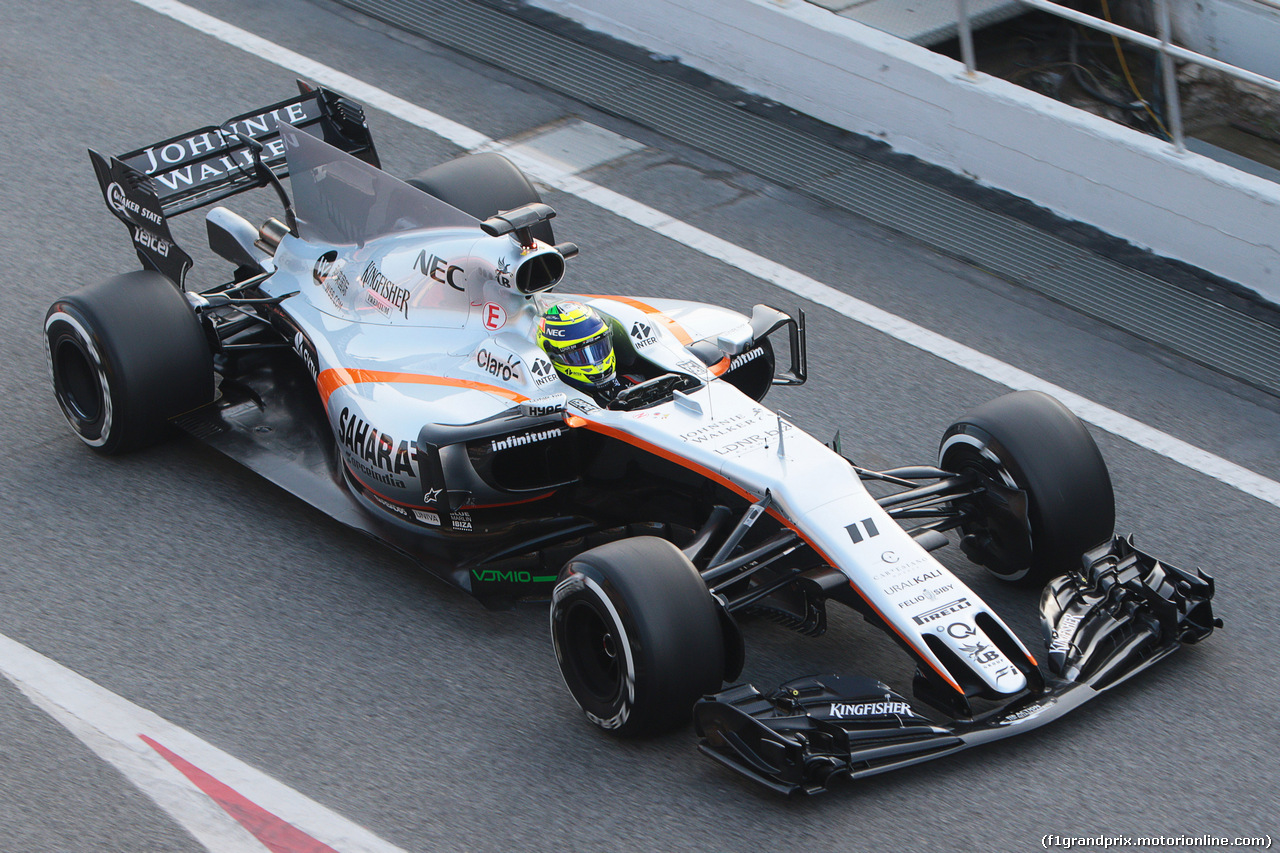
376 353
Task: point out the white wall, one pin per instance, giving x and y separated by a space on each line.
1242 32
1078 165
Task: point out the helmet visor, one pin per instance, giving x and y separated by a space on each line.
586 353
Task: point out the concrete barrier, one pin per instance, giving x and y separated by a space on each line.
1242 32
1080 166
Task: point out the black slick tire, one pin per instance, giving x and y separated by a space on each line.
1031 442
483 185
636 635
125 356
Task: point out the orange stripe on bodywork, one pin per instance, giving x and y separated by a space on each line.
720 367
672 326
627 438
335 377
734 487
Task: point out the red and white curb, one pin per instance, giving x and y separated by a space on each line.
224 803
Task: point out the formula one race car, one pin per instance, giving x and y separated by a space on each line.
390 353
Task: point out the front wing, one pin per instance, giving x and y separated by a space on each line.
1123 611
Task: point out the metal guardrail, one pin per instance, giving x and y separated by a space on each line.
1162 43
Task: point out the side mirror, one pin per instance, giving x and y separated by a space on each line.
736 341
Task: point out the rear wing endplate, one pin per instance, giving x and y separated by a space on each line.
144 187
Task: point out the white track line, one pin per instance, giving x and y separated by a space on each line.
554 175
113 728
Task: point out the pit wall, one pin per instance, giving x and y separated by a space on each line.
1242 32
1082 167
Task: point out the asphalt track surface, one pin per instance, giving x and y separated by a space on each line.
189 587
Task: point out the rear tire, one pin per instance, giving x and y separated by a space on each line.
1029 441
483 185
124 357
636 635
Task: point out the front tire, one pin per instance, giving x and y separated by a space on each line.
1030 442
125 356
636 635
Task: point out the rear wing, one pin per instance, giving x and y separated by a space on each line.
144 187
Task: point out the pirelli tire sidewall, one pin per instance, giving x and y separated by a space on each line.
124 356
636 635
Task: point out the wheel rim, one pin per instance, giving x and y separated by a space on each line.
592 652
1001 536
78 383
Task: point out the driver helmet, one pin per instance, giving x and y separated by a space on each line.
578 342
